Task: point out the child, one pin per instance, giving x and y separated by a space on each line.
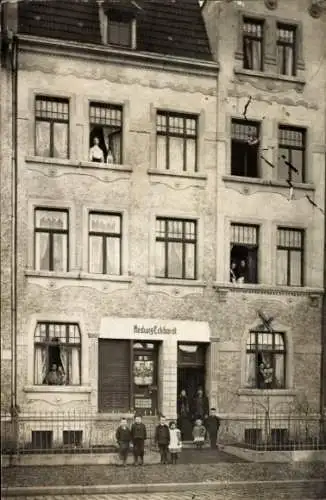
199 433
212 425
123 436
175 442
162 439
138 436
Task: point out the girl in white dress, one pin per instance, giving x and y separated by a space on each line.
175 444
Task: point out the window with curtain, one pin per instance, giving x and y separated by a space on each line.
253 44
176 248
291 153
51 231
105 133
51 127
290 257
176 137
105 243
265 360
57 354
285 49
244 148
244 253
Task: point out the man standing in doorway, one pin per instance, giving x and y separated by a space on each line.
212 425
200 405
162 439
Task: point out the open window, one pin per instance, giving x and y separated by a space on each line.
245 148
57 354
244 254
105 133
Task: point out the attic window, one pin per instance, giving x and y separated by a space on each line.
120 32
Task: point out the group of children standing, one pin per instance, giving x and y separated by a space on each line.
167 438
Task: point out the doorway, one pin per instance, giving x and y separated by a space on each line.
191 375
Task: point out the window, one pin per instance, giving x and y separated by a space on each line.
244 148
176 142
105 138
244 254
57 354
72 438
253 44
176 242
286 55
105 239
51 127
290 252
265 367
51 239
119 32
291 149
42 440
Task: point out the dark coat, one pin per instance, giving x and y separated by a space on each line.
123 436
200 407
138 431
212 424
162 434
183 406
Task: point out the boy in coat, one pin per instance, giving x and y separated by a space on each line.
212 425
162 439
123 436
138 436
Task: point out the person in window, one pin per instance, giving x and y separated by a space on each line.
96 153
200 405
233 271
108 151
242 272
55 376
265 373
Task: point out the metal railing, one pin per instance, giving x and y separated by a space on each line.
85 432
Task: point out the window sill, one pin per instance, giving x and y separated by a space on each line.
79 164
184 175
267 289
266 392
270 76
176 282
77 275
266 182
58 388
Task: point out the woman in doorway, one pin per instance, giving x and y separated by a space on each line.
183 409
200 405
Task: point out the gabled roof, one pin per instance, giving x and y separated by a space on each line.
171 27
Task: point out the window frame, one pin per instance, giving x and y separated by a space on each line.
122 21
289 250
303 148
245 36
68 345
283 44
47 98
184 135
166 240
272 351
91 124
104 237
248 246
234 140
51 232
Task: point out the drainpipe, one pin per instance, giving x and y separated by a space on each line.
14 177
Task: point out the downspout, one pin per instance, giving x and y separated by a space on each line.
14 177
323 315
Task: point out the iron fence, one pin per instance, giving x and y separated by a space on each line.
85 432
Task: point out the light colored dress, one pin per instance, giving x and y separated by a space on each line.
175 441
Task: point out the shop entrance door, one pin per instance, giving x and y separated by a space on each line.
191 376
144 372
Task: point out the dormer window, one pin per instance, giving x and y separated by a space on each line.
119 32
118 23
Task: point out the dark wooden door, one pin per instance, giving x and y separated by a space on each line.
114 375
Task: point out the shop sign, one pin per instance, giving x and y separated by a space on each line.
154 330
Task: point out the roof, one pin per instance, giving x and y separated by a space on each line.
170 27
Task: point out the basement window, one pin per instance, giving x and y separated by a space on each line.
42 440
72 438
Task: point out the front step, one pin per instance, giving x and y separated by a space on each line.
186 445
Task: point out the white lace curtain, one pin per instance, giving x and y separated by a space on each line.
70 362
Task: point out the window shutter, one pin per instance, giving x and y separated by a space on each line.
114 375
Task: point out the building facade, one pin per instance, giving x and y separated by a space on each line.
167 221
